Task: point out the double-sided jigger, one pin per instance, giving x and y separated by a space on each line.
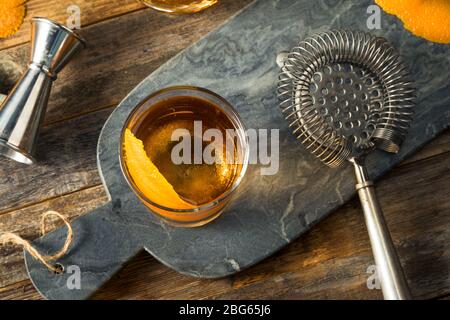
21 113
345 93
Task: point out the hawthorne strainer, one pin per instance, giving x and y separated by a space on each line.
345 93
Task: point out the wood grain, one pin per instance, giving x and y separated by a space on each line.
90 12
438 145
23 290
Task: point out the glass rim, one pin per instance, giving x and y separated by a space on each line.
225 107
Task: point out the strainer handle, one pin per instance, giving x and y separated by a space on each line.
389 269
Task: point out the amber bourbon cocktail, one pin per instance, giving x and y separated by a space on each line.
184 152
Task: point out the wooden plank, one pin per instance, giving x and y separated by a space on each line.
90 12
23 290
120 53
436 146
67 163
330 261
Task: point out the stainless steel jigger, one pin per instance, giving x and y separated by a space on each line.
345 93
21 113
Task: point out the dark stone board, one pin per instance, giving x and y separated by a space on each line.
238 62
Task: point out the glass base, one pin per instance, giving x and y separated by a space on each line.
192 224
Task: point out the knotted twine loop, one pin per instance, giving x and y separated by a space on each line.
9 237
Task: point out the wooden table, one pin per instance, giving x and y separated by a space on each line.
126 42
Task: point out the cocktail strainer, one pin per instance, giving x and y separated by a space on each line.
345 93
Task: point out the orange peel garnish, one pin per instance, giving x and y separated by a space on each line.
12 13
429 19
147 177
11 3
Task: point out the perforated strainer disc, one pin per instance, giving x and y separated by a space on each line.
345 92
350 100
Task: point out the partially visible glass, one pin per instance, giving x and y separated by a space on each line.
179 6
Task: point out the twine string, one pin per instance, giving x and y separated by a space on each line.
9 237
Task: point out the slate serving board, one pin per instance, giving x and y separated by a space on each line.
238 62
